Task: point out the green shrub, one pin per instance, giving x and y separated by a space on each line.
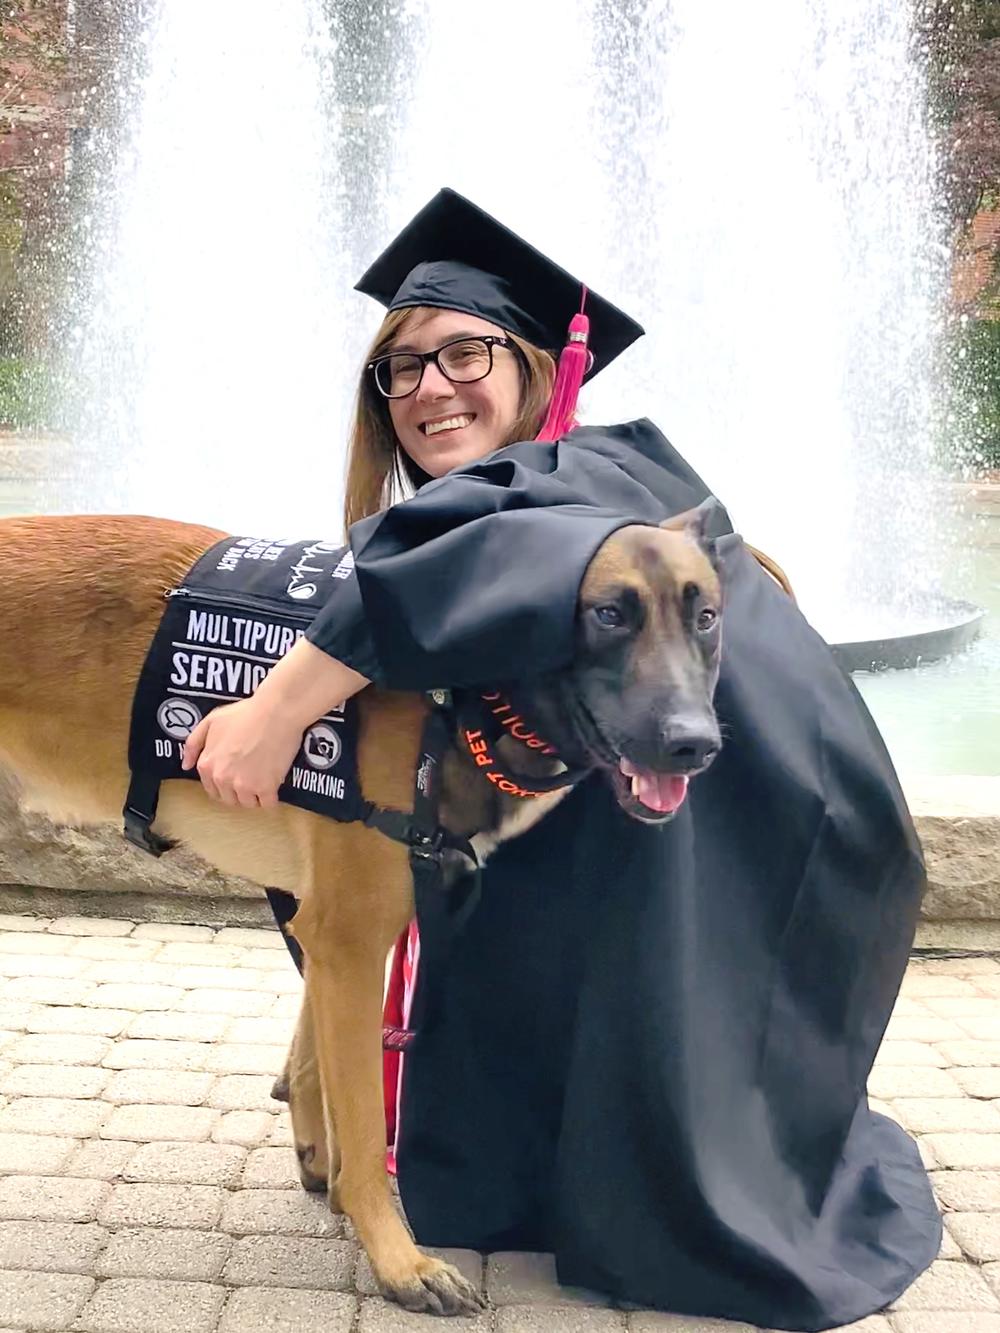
27 394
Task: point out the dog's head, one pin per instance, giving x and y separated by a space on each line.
637 699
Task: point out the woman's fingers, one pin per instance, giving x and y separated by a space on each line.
195 743
241 755
245 796
209 783
192 757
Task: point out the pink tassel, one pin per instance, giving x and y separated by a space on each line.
574 362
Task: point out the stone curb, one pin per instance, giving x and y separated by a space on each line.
958 822
41 863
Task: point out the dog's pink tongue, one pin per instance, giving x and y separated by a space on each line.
658 792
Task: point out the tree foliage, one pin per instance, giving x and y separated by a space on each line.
33 55
960 41
55 62
35 89
34 79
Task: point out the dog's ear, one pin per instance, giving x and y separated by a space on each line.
696 523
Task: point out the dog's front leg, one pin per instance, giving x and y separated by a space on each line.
313 1129
344 990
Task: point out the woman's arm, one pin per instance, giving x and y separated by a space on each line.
473 580
243 750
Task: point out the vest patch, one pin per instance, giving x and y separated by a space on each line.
240 608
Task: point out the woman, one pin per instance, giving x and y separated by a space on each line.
649 1053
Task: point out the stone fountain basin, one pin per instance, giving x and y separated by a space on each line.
951 625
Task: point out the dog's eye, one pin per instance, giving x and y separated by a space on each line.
706 619
609 616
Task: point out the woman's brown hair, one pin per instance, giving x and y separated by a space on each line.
379 471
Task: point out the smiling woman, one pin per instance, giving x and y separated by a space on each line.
648 1053
390 452
461 399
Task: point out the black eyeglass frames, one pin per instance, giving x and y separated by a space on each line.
462 361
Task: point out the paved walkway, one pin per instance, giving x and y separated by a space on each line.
147 1181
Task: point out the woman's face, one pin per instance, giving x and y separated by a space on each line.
443 425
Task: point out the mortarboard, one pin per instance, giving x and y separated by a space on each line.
454 256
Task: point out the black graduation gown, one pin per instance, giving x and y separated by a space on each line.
648 1051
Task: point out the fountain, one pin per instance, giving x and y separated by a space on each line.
755 185
797 316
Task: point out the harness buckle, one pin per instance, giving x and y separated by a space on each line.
427 845
137 831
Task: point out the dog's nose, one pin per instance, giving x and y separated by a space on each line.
690 745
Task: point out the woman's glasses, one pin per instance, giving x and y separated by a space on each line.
398 374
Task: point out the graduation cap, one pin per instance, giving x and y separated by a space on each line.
454 256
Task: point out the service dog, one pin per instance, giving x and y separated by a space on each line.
81 598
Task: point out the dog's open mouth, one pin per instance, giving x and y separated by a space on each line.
651 797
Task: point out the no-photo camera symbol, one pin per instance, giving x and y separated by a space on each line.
321 746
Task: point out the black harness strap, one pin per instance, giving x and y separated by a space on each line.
423 840
284 906
421 831
140 811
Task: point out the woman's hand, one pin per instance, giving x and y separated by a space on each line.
243 752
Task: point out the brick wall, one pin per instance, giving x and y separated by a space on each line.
974 264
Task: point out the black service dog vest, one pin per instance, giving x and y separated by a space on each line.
244 603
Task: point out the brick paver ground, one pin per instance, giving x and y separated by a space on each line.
147 1181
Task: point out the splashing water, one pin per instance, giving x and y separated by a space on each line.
209 348
754 185
789 265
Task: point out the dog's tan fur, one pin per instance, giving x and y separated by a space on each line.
80 599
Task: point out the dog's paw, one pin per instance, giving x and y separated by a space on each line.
310 1180
435 1288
